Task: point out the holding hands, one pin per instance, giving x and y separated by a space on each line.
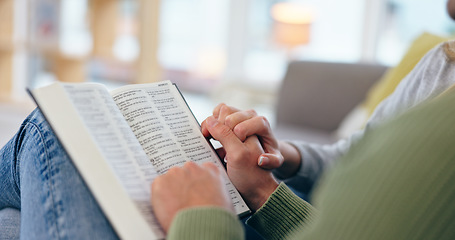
282 157
250 150
254 183
245 124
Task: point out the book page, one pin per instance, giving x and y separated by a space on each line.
105 151
117 142
167 130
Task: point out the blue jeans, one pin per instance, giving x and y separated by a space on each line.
39 180
42 196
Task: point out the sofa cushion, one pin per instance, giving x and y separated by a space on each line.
298 133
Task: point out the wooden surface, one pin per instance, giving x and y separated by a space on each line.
104 16
148 67
6 54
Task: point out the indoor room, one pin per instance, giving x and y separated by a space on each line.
231 51
113 138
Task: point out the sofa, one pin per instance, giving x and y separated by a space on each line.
316 97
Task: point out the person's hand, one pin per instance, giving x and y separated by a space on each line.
245 124
189 186
254 183
280 156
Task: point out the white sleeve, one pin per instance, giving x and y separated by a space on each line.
431 76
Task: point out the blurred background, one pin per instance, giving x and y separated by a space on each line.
233 51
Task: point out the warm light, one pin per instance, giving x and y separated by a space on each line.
210 62
292 25
292 13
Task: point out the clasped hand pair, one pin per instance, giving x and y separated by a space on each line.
250 151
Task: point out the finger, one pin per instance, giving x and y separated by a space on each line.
270 161
224 112
172 170
254 145
190 165
216 110
239 160
211 167
204 130
156 184
258 125
237 117
224 135
192 169
220 112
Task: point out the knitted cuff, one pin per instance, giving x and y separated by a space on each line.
205 223
281 214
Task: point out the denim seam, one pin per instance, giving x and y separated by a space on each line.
16 165
51 180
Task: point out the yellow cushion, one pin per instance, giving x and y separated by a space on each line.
358 117
387 84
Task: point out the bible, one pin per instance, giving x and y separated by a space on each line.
121 140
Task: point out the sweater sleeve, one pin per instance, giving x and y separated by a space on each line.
396 183
206 223
282 214
431 76
315 158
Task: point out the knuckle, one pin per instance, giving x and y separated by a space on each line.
232 120
264 121
209 165
252 112
225 109
240 131
217 109
228 120
190 165
156 184
172 171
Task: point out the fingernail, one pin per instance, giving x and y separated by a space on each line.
211 121
263 160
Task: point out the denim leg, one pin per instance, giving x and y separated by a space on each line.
39 179
9 180
9 223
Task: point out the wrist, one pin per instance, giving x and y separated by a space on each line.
292 160
260 195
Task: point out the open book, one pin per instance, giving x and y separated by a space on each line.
120 141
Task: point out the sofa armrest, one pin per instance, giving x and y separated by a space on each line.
320 94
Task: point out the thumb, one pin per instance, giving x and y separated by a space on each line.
270 161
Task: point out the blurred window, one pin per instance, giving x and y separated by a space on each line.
335 35
193 38
203 42
234 38
407 19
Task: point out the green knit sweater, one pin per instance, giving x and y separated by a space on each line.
397 183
